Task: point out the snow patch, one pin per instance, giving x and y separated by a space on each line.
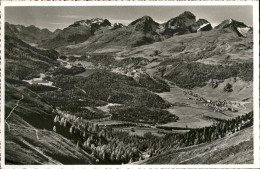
202 26
243 31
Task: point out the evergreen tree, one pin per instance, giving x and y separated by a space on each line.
54 128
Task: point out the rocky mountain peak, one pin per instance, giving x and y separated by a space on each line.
201 22
180 25
238 27
187 14
230 23
145 23
146 19
203 25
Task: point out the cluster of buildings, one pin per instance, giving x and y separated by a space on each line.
216 106
131 72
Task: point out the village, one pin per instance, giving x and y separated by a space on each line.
129 71
215 106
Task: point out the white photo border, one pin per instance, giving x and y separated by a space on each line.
256 135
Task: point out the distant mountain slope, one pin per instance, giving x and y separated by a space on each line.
142 31
78 32
29 138
137 33
30 34
234 149
193 59
24 61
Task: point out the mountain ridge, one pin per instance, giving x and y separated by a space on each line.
143 30
30 34
100 32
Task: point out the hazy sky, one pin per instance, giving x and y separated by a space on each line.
60 17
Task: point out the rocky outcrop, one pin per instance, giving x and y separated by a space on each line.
117 25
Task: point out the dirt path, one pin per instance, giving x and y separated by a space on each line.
20 127
16 105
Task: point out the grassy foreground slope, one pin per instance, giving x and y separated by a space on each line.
29 138
233 149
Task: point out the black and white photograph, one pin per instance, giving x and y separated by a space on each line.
129 85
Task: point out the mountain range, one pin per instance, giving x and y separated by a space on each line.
100 32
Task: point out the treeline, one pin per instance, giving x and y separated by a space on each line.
218 130
112 146
97 141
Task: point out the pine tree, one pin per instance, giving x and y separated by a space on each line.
62 121
140 158
112 157
103 155
71 130
78 144
54 128
55 119
118 157
85 144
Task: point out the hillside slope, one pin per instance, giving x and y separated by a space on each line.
29 137
30 34
234 149
24 61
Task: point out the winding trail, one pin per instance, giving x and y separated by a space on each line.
17 104
24 128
